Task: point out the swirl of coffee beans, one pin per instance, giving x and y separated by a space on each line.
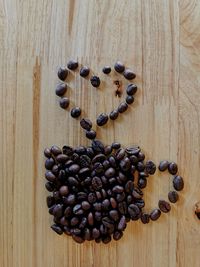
97 190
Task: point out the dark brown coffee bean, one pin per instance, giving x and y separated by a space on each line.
83 223
106 69
97 146
50 201
133 159
49 163
92 198
56 195
84 172
131 89
95 233
97 206
75 112
50 176
118 189
64 102
113 203
85 205
47 153
84 71
82 195
107 222
164 206
114 215
163 165
122 107
67 150
74 168
178 183
66 230
122 224
110 172
172 168
58 211
129 199
134 150
64 190
72 64
121 177
71 199
136 193
142 182
141 156
117 235
76 231
122 207
150 167
140 203
62 73
90 134
74 221
86 124
120 197
173 196
119 67
116 145
84 161
129 74
49 186
62 158
134 211
102 119
108 150
55 150
129 99
106 239
120 154
78 239
98 169
105 204
90 219
140 166
77 209
56 228
80 150
99 158
114 114
68 212
95 81
145 218
125 164
61 89
155 214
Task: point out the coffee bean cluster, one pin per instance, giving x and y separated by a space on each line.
97 190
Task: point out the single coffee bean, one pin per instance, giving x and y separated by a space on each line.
105 204
140 166
67 150
129 199
114 215
47 153
120 153
122 224
92 198
95 81
64 221
87 234
119 67
72 64
49 163
117 235
57 229
50 201
62 73
102 119
116 145
75 112
86 124
49 186
84 71
99 158
122 107
64 102
113 203
145 218
131 89
129 74
150 167
114 114
58 211
62 158
107 222
164 206
134 150
73 169
163 165
108 150
77 210
110 172
80 150
95 233
78 239
90 219
122 207
129 99
106 69
84 161
50 176
142 182
74 221
71 199
96 183
68 212
172 168
125 164
97 146
173 196
134 211
118 189
155 214
55 150
178 183
64 190
61 89
141 157
85 205
106 239
140 203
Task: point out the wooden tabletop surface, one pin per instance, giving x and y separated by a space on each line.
160 41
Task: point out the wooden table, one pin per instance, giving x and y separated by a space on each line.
160 40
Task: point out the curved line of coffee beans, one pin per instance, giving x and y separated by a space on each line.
103 118
95 190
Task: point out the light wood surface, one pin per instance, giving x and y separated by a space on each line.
160 40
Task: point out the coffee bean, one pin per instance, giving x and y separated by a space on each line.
110 172
64 221
155 214
61 89
164 206
107 222
122 207
102 119
95 81
131 89
71 199
140 203
85 205
91 198
122 224
47 153
112 161
163 165
97 146
64 102
86 124
84 71
90 134
114 114
68 212
98 158
64 190
145 218
77 210
57 229
114 215
80 150
49 186
113 203
120 153
120 197
78 239
74 221
62 158
108 150
72 64
173 196
58 211
133 150
141 157
119 67
75 112
134 211
73 169
50 201
140 166
62 73
90 219
105 204
116 145
106 239
87 234
106 69
67 150
142 182
178 183
125 164
172 168
84 161
129 74
117 235
137 193
49 163
118 189
122 107
150 167
50 176
129 99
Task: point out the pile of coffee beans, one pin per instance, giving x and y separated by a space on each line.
97 190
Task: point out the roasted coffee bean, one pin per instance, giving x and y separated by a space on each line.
62 73
58 211
56 228
90 219
64 221
103 193
84 161
112 181
72 64
114 114
61 89
99 158
84 172
134 211
90 134
118 189
67 150
136 193
114 215
96 183
112 161
143 175
82 195
117 235
76 231
47 153
140 203
120 197
72 181
87 234
134 150
141 156
133 159
66 230
122 177
97 146
142 182
119 67
145 218
56 170
90 152
95 81
116 145
64 102
83 223
86 124
102 119
150 167
125 164
80 150
92 198
178 183
97 206
74 221
108 150
164 206
78 239
77 209
131 89
49 163
75 112
107 222
55 150
105 204
173 196
155 214
95 233
49 186
71 199
74 168
50 201
172 168
85 205
64 190
84 71
122 107
110 172
106 239
129 199
122 207
120 153
62 158
50 176
129 99
129 74
113 203
68 212
140 166
98 169
163 165
51 209
106 164
56 195
122 224
106 69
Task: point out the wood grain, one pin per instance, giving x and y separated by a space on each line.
159 39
